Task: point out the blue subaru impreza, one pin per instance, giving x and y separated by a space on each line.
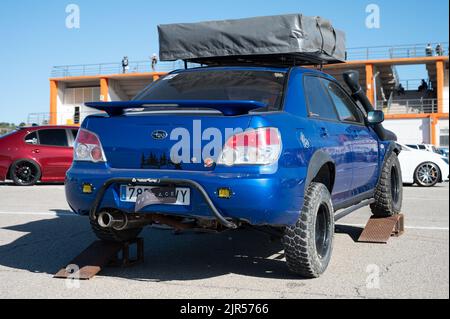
286 150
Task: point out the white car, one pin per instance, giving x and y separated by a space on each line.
423 168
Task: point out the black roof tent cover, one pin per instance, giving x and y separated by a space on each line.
284 40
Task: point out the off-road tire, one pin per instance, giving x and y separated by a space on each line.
389 191
35 172
106 234
300 241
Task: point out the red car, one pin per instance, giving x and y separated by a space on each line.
40 153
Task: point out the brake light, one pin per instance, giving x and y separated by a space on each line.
253 147
87 147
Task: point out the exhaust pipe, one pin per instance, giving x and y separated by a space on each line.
120 221
117 221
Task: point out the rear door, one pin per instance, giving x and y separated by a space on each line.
54 153
331 135
364 143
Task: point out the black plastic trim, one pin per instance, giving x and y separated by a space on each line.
157 182
355 200
319 159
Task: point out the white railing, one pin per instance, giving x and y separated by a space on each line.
421 106
397 51
361 53
64 118
113 68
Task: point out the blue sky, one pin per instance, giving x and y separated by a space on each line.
34 38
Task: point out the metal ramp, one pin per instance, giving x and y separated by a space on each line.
380 230
99 255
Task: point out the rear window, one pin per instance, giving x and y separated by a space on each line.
7 134
32 138
261 86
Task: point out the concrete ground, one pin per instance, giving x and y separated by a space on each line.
38 235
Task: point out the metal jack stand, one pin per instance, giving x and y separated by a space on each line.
379 229
99 255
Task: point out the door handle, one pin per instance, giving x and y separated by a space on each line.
355 134
323 132
36 151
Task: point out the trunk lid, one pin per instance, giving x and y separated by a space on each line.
149 140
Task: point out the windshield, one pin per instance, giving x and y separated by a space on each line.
435 150
261 86
405 147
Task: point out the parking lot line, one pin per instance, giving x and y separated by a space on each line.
406 227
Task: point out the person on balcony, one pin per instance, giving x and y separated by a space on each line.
423 86
125 65
439 50
400 90
154 61
429 50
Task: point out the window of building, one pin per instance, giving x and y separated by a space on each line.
443 138
81 95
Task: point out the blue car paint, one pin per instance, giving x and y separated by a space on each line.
262 195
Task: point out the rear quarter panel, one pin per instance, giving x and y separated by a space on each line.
8 150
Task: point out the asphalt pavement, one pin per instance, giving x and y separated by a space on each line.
39 235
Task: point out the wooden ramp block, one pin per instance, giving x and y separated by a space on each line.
99 255
379 230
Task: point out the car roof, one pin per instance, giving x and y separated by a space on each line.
255 68
42 127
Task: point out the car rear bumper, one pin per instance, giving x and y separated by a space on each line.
259 199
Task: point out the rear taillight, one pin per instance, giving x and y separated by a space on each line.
253 147
87 147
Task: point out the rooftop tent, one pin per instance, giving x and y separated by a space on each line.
292 39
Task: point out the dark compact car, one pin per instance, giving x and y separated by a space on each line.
40 153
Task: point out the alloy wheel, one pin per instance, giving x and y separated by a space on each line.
25 172
427 174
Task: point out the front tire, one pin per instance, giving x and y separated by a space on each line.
308 244
427 174
25 173
389 191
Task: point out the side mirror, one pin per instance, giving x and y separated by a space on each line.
375 117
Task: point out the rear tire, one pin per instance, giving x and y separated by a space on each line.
108 234
389 192
427 174
308 244
25 173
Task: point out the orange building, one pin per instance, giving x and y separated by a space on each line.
417 116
